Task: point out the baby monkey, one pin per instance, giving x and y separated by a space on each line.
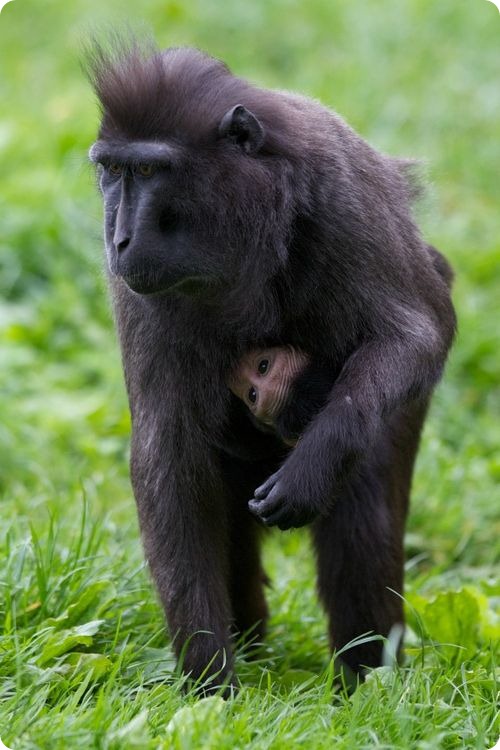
282 389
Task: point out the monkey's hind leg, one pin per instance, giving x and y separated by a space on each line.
247 583
247 579
359 545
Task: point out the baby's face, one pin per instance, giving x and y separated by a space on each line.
263 379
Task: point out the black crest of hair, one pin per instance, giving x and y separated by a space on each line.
238 217
180 92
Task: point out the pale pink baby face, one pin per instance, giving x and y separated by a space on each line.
263 379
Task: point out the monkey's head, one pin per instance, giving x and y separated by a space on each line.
263 379
194 180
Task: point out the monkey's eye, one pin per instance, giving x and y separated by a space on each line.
252 395
263 366
115 168
146 170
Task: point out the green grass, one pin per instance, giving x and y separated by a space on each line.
84 660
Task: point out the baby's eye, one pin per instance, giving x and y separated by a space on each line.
252 395
263 366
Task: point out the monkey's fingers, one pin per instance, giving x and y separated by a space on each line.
289 517
264 489
283 519
271 506
277 509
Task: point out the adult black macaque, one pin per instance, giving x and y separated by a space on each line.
238 218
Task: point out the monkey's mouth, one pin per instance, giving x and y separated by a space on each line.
146 284
141 283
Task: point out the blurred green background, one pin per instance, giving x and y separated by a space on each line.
416 78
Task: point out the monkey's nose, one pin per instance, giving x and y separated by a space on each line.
121 243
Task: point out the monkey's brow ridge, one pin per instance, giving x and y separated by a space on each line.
132 151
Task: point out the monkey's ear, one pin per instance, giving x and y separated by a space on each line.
242 127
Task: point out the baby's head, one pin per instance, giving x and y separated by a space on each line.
263 379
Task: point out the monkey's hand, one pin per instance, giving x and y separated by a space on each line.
308 482
276 503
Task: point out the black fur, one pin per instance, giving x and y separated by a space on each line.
309 391
308 394
304 236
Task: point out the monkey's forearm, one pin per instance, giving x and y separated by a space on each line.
377 378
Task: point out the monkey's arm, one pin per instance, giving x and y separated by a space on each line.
308 394
379 376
